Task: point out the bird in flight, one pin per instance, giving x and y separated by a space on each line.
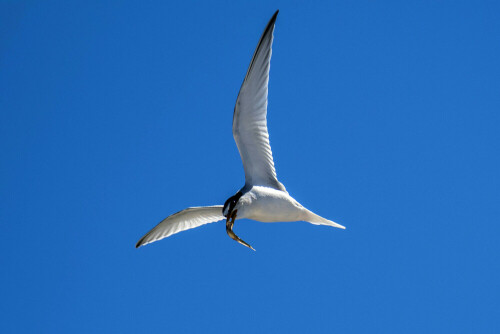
263 197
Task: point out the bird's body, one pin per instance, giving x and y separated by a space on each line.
268 205
263 198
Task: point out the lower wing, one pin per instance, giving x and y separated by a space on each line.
181 221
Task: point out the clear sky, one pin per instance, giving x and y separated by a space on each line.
383 116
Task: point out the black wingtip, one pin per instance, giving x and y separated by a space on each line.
273 18
271 22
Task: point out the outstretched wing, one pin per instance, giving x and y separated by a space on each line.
250 117
181 221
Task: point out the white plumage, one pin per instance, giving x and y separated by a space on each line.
263 197
181 221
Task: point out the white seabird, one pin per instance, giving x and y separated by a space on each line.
263 197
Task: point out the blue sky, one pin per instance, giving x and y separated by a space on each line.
383 116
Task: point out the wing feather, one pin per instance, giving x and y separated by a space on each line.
181 221
250 117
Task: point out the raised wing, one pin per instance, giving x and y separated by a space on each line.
250 117
181 221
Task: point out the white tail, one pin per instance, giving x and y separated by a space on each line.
313 218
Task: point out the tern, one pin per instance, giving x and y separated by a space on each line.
263 198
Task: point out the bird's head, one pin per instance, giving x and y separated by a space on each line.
230 204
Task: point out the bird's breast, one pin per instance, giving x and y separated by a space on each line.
269 205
